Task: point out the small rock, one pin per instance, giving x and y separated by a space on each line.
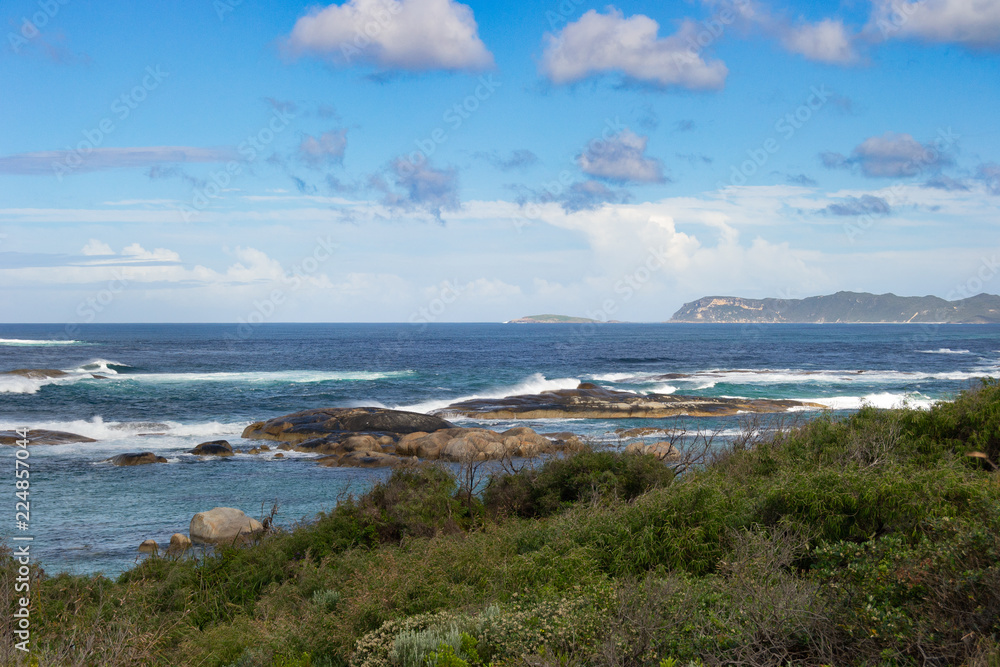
135 459
279 455
179 543
149 547
222 524
213 448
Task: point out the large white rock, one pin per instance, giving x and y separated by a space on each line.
222 524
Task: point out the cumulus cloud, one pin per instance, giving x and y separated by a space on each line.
621 159
971 23
863 205
136 252
95 247
827 41
327 148
412 35
417 185
891 155
600 43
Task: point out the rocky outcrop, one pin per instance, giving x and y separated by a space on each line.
588 401
441 440
36 373
213 448
661 450
43 437
135 459
310 424
222 524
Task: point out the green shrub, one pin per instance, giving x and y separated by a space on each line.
586 477
326 599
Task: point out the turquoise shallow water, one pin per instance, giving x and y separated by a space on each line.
192 383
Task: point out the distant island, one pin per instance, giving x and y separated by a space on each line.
842 307
558 319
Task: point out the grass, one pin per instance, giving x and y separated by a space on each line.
870 540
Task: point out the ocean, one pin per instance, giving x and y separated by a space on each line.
166 388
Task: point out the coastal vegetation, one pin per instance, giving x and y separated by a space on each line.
872 539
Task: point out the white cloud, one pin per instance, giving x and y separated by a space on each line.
137 252
826 41
599 43
621 158
409 35
973 23
95 247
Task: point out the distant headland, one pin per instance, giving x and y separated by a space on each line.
842 307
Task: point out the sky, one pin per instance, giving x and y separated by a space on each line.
438 161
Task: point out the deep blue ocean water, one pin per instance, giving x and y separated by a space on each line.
192 383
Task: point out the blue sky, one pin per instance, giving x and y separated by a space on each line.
429 160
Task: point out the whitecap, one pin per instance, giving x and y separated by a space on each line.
27 342
534 384
885 400
269 377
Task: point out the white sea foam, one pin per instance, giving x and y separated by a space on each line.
710 378
534 384
27 342
944 350
16 384
799 377
663 389
879 400
117 437
268 377
20 385
627 378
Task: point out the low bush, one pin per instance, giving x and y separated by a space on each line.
586 477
